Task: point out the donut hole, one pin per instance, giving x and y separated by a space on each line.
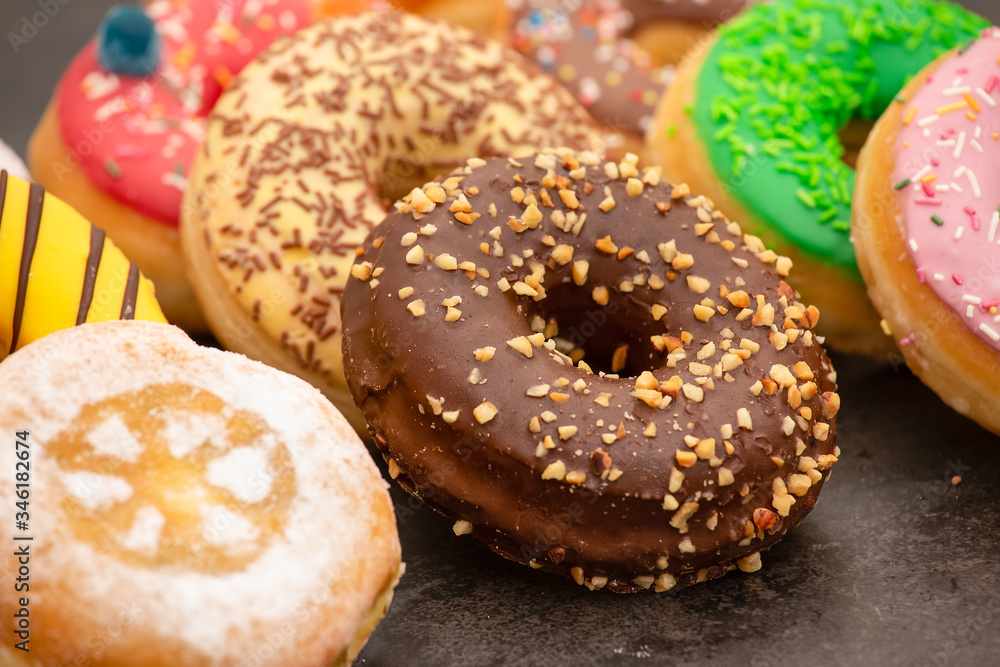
852 138
613 339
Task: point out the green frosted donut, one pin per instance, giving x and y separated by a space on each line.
785 77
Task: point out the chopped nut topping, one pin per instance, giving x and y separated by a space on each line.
522 345
686 458
726 477
600 295
555 470
831 404
569 199
698 285
415 255
445 261
538 391
658 311
703 313
462 527
566 432
484 412
743 420
416 307
764 518
603 398
485 353
633 187
450 416
606 245
749 563
453 314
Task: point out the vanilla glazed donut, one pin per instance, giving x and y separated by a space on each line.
615 56
762 121
126 118
185 506
57 270
308 146
926 226
697 425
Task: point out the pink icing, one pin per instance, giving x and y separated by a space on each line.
135 137
950 151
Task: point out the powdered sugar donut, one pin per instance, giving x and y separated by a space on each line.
927 228
185 506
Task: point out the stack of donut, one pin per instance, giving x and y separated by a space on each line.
311 142
125 121
598 368
755 122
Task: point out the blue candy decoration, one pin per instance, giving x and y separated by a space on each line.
127 42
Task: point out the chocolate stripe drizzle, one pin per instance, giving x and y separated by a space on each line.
90 273
131 293
36 197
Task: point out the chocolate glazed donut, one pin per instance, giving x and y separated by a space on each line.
593 372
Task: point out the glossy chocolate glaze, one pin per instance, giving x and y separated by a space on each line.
610 512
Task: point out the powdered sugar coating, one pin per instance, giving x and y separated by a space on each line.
337 543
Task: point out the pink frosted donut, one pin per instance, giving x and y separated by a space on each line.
927 227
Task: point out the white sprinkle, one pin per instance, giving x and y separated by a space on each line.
976 145
941 187
979 131
993 226
923 122
913 245
958 172
970 311
957 81
974 300
986 329
958 90
986 97
938 278
956 188
997 318
974 183
920 174
946 144
960 146
958 233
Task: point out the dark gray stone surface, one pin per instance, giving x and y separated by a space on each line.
895 566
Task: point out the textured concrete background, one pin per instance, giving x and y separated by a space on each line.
895 566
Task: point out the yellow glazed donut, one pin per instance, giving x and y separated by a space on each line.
183 506
57 270
310 142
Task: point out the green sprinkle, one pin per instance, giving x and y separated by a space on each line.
902 184
937 220
112 168
805 198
